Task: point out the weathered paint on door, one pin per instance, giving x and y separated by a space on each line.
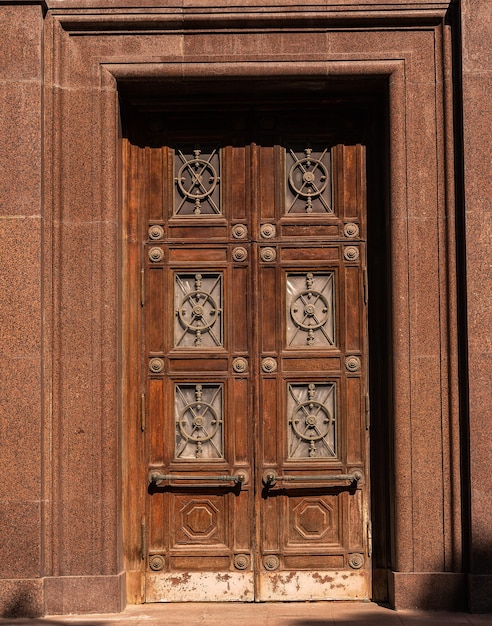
253 361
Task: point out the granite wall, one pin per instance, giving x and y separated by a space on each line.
62 65
22 394
476 60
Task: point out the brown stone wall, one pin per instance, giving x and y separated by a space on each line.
477 122
21 312
63 501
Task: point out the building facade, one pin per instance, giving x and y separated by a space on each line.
246 303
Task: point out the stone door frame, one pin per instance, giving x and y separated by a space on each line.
88 56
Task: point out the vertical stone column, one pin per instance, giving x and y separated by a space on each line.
82 569
21 324
477 121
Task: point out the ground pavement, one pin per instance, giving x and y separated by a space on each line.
267 614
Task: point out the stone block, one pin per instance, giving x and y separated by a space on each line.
428 591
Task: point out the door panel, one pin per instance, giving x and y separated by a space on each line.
197 418
312 523
254 360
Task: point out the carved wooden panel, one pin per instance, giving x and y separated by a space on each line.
198 520
314 519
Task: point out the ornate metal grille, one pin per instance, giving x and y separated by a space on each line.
199 418
311 409
310 315
308 184
198 307
197 181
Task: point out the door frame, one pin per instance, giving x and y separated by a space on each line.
95 58
378 319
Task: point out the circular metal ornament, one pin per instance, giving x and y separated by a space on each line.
271 562
268 254
308 177
156 232
199 304
241 561
269 365
203 424
267 231
156 255
239 231
351 230
303 309
351 253
157 562
357 473
356 561
353 363
239 254
239 365
197 180
156 365
311 421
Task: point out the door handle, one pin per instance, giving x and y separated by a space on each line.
270 478
238 479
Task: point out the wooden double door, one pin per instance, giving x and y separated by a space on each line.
252 364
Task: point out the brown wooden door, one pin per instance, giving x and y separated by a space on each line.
253 370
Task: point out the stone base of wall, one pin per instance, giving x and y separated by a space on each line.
21 597
437 591
480 593
85 594
62 595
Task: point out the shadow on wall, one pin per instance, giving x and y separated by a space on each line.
20 605
21 609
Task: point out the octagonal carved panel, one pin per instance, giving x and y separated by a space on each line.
312 519
199 519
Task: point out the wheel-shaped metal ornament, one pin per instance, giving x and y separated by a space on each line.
197 179
202 310
198 422
309 310
308 177
311 421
